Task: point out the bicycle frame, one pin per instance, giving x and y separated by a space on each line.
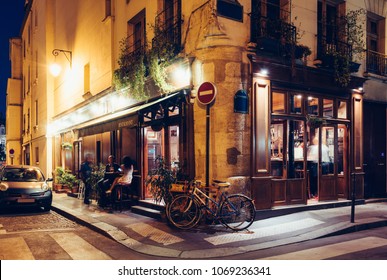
236 211
203 199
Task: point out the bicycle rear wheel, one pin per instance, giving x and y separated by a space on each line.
183 212
237 212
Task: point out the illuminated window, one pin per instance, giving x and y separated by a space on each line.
312 105
328 108
296 104
278 102
342 110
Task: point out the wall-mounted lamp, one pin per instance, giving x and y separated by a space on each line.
55 68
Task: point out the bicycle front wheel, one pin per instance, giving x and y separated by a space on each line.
183 212
237 212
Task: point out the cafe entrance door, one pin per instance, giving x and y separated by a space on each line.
327 158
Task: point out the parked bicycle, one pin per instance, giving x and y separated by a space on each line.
235 211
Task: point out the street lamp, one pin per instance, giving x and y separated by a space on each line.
56 68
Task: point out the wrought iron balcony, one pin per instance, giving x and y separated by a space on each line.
326 47
168 27
134 46
376 63
272 35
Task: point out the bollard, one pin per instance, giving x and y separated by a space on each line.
353 175
354 195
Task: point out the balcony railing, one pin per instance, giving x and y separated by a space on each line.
270 27
326 47
276 29
135 46
168 27
376 63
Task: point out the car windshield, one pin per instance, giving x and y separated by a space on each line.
22 175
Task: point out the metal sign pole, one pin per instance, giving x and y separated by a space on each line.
207 145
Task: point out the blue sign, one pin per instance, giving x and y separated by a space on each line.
241 102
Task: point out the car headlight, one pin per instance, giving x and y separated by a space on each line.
45 187
3 187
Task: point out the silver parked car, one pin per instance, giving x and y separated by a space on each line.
24 185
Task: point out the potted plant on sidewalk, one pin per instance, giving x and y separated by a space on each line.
160 180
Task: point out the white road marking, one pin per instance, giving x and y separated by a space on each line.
78 248
263 232
2 230
15 248
333 250
154 234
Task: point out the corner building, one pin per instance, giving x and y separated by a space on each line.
278 92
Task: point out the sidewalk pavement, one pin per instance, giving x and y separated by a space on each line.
153 237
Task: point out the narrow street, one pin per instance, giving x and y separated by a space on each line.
37 235
363 245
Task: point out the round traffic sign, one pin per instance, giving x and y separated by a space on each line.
206 93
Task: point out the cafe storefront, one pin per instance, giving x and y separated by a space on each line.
306 136
158 127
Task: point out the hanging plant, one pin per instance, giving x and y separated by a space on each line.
132 72
161 56
67 146
314 121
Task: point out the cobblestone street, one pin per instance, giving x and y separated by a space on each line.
34 221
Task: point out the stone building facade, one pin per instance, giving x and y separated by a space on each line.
262 150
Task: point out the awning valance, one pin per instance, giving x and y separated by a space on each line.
111 125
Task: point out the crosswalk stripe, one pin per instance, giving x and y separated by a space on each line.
264 232
2 230
154 234
78 248
333 250
14 248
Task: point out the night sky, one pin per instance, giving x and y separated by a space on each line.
12 12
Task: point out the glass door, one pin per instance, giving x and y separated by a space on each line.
153 147
321 156
288 162
164 142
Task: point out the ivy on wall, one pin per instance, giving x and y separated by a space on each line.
131 72
134 67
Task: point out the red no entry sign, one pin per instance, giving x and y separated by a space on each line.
206 93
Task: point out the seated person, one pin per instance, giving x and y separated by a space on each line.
127 175
112 166
112 170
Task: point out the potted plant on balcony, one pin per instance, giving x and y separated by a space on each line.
301 52
347 63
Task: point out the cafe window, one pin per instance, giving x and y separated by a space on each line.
342 110
277 148
295 153
328 108
296 103
278 102
312 106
